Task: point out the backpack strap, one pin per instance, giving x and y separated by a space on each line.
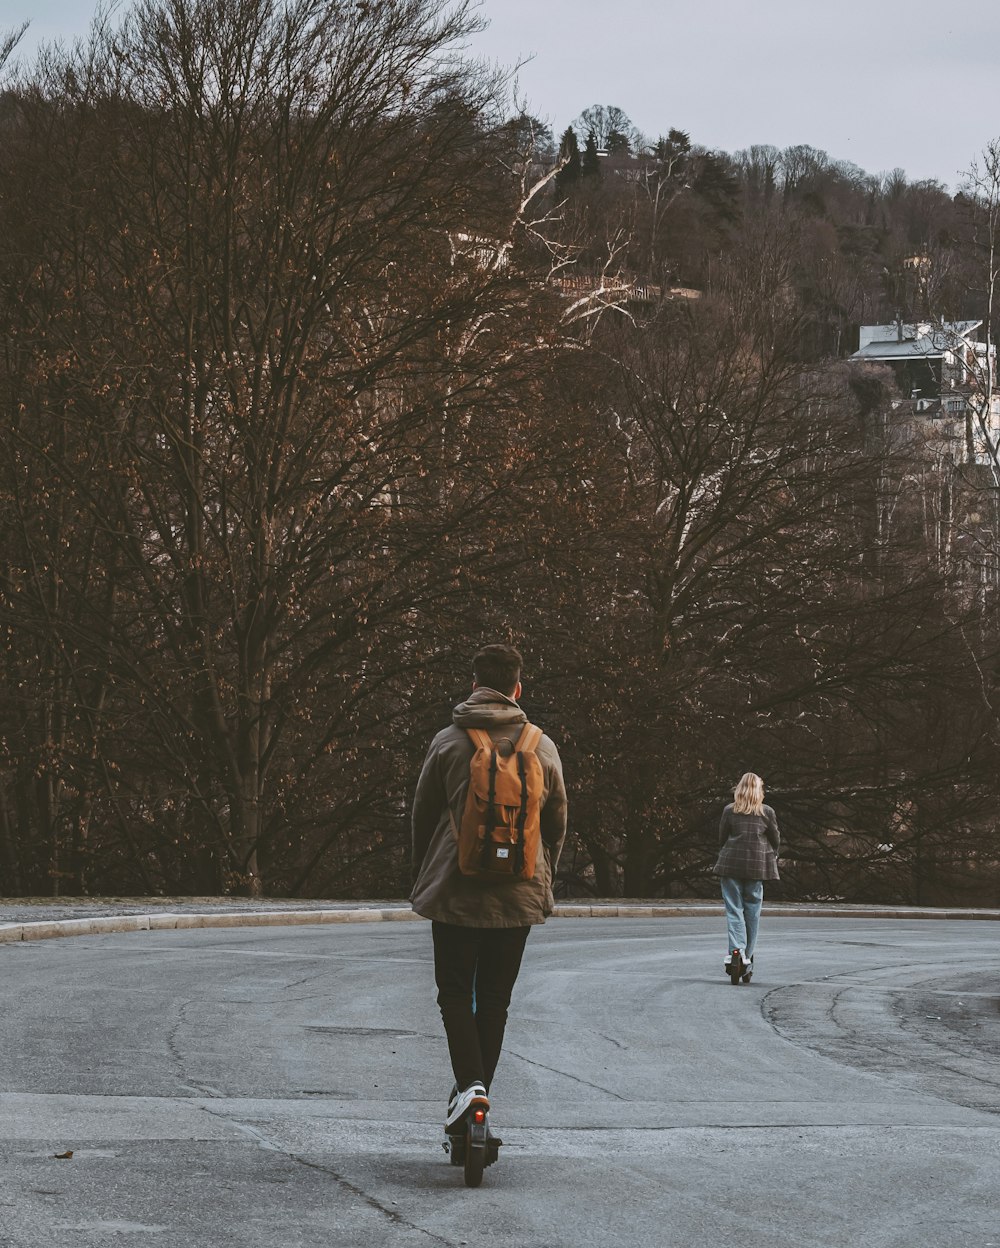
483 741
522 814
529 738
480 739
491 810
526 742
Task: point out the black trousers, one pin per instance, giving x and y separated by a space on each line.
475 969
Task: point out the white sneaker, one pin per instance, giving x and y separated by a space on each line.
474 1094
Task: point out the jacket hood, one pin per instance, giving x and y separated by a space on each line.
486 708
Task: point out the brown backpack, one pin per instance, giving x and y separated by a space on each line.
500 831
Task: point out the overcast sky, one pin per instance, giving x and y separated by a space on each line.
908 83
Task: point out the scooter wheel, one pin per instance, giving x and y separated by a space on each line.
475 1151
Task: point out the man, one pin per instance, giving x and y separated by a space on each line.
479 926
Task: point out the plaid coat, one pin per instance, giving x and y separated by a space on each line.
748 846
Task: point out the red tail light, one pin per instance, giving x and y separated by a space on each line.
479 1115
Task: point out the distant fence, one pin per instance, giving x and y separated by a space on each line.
582 283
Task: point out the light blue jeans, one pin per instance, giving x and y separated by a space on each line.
742 899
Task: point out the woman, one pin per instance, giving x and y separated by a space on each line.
748 855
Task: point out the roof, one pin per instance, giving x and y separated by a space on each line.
920 348
921 341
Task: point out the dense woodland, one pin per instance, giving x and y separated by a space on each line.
322 365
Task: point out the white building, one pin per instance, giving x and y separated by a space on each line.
944 373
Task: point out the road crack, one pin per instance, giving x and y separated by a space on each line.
566 1075
341 1180
175 1054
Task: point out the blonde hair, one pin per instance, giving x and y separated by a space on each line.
748 796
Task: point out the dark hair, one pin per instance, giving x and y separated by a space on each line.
498 667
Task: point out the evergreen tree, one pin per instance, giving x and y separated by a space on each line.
569 151
590 162
619 144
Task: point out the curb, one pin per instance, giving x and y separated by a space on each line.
779 910
51 929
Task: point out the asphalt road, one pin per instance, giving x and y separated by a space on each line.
285 1087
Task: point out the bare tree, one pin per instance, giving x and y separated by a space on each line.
982 191
279 339
610 126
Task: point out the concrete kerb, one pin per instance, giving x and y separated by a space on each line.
52 928
49 929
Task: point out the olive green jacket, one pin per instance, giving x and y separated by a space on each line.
440 891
